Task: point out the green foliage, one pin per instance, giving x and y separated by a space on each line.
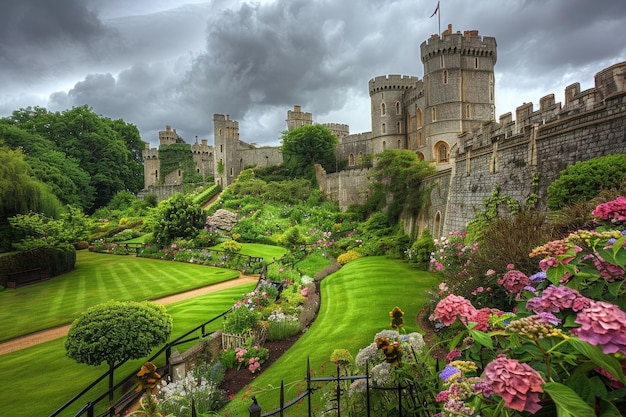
307 145
177 217
231 246
585 179
33 230
292 239
116 331
240 320
420 251
83 157
20 191
178 156
493 206
401 172
53 260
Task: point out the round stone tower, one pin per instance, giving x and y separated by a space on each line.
388 120
458 87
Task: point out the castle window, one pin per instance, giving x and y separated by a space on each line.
398 107
384 145
476 63
468 111
231 171
418 115
399 144
445 76
383 109
441 61
351 160
220 132
441 152
222 148
420 156
437 226
419 139
399 127
383 129
433 114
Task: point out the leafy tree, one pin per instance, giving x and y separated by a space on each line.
20 191
177 217
35 230
108 151
400 173
117 331
584 180
307 145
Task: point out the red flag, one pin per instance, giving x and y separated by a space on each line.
436 10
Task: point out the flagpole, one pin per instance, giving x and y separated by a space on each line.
439 17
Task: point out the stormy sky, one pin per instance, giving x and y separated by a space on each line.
177 62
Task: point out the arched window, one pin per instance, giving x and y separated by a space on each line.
419 139
433 114
437 225
420 156
383 129
384 145
398 107
445 76
351 160
220 132
383 109
399 144
441 152
398 127
418 115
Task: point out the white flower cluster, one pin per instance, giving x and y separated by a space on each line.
180 392
278 316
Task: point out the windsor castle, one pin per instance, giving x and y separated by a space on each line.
446 118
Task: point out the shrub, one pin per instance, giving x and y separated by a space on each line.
231 246
351 255
420 251
585 179
281 325
240 320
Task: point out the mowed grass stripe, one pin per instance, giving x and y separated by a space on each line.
98 278
42 378
356 302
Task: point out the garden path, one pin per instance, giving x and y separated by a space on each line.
56 332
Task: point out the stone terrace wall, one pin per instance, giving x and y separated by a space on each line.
347 187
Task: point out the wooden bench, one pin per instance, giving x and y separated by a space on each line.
21 278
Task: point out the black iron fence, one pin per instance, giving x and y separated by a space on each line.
404 400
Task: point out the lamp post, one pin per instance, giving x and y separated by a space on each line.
255 408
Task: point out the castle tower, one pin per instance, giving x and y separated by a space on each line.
226 138
297 118
203 158
388 117
458 87
168 136
151 165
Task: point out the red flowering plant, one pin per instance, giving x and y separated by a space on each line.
563 349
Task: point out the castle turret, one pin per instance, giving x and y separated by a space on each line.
168 136
226 138
297 118
388 121
458 87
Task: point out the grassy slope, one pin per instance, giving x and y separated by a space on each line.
98 278
356 302
42 378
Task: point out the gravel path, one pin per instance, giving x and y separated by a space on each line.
57 332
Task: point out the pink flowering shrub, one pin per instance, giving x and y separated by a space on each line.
614 211
561 351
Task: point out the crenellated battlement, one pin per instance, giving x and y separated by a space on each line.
392 82
466 43
608 82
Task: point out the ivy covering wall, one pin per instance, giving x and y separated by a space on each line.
178 156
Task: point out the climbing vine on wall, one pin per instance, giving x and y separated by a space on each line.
483 217
178 156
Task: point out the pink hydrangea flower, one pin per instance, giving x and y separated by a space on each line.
603 324
517 383
514 281
481 317
554 299
612 210
452 306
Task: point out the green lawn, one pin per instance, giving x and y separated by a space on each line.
259 250
356 302
42 378
98 278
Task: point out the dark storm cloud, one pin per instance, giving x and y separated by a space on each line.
162 62
40 37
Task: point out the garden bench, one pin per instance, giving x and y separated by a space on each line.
21 278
